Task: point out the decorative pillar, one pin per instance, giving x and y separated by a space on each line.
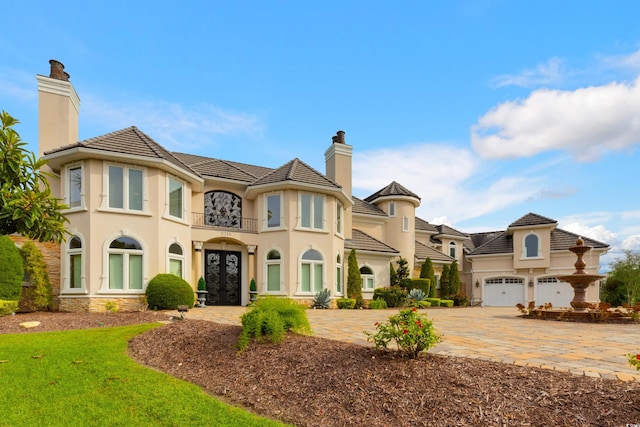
197 260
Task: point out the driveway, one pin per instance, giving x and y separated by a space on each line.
489 333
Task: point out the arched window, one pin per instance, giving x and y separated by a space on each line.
274 271
176 260
74 263
338 275
125 264
531 245
311 265
368 279
453 250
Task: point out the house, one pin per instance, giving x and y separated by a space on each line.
137 210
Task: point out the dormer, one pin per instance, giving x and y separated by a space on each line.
531 236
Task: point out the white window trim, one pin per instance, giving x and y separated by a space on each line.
167 207
177 257
454 246
106 250
266 212
267 262
67 289
339 269
405 224
312 212
392 208
67 185
104 205
299 290
524 248
339 219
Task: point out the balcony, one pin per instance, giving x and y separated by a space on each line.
246 225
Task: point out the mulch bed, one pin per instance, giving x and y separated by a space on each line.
310 381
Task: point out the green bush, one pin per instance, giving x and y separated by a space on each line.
460 300
8 307
168 291
422 284
378 304
394 296
435 302
11 270
346 303
446 303
424 304
272 317
36 270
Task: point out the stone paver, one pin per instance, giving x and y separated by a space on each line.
489 333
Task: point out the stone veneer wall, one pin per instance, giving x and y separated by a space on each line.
51 255
80 304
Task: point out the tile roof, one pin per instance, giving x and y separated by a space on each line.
223 168
449 231
423 252
479 239
393 189
423 225
296 171
532 219
362 207
361 241
131 141
562 239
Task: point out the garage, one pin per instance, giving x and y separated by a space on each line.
551 290
504 292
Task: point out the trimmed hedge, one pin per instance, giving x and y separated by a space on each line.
168 291
378 304
423 284
435 302
446 303
394 296
11 270
8 307
346 303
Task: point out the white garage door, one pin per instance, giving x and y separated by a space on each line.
503 292
549 289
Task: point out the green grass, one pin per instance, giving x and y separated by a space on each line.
85 378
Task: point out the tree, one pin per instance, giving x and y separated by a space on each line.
627 272
27 206
11 270
454 279
427 272
354 280
444 282
402 272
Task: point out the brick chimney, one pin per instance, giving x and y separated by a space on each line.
338 169
58 109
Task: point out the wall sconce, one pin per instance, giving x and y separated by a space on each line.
530 283
477 284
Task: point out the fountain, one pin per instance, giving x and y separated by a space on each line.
580 280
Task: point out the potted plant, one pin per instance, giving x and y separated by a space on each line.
202 292
253 291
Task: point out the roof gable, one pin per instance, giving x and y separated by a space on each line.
296 171
532 219
393 189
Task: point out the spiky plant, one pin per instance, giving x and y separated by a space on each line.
417 295
322 299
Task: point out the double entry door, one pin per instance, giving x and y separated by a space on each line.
222 274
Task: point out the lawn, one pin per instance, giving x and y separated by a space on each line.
85 378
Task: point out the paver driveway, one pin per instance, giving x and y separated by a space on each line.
490 333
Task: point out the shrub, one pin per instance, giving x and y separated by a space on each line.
423 304
346 303
11 270
435 302
322 299
36 270
446 303
422 284
460 300
202 285
378 304
272 317
8 307
354 279
412 332
394 296
168 291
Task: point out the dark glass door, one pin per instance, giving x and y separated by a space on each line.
223 277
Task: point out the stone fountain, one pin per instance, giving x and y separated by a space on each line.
580 279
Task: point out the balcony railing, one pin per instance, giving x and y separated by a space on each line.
246 225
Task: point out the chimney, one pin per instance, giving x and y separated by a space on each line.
338 169
58 109
340 137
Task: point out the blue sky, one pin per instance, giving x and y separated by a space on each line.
486 109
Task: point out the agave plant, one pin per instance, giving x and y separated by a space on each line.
322 299
417 295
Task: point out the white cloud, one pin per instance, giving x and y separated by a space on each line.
549 73
630 62
598 232
632 243
586 122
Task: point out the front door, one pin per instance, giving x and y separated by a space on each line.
222 275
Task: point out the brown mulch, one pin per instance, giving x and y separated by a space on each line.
310 381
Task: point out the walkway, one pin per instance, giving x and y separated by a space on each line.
489 333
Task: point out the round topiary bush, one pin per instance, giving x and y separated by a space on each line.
168 291
11 270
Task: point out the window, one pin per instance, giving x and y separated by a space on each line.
338 218
338 275
312 211
274 211
392 208
405 223
125 264
504 280
274 271
222 209
125 188
74 265
176 198
176 260
311 279
531 246
368 279
74 186
453 250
